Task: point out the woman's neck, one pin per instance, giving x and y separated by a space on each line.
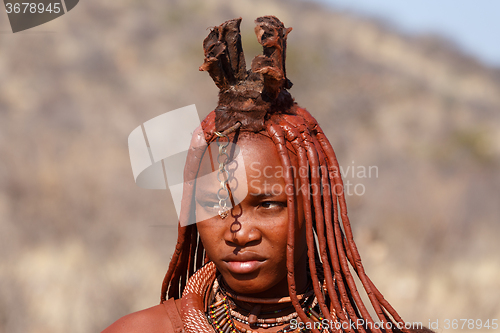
266 305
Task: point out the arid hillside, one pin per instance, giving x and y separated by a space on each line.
82 245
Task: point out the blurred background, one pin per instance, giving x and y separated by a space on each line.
81 245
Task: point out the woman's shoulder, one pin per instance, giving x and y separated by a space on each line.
160 318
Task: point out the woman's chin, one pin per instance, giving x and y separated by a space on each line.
246 287
260 286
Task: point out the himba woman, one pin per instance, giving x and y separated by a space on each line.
267 247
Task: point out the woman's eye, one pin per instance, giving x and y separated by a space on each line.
273 204
210 205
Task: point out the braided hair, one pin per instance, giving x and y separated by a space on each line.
258 100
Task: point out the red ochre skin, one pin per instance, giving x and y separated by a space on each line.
152 320
249 246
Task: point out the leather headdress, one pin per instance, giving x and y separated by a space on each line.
248 95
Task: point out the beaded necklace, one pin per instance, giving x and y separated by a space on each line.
225 316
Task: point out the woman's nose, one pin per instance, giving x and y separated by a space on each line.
240 229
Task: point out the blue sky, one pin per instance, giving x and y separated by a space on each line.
474 26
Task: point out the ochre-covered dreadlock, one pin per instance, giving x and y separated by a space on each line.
258 99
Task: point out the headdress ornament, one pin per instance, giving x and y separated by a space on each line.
247 96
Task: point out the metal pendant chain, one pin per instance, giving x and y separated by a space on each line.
222 175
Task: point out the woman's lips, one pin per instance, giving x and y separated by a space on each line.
243 262
243 267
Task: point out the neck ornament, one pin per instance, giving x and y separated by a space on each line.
226 316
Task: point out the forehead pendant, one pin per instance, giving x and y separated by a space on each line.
222 174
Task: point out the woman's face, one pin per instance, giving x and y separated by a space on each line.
249 245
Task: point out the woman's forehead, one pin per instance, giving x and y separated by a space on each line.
251 140
243 151
256 148
253 157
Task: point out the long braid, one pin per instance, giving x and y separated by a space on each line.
277 135
173 264
333 253
176 276
305 154
325 252
317 162
375 296
329 204
182 272
200 254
